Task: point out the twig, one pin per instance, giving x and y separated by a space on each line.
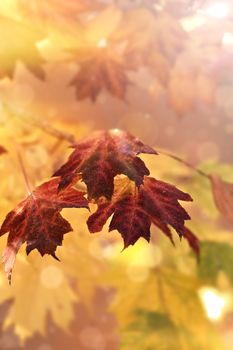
180 160
25 176
44 126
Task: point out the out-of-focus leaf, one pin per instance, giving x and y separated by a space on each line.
151 41
160 289
49 291
81 257
93 328
151 330
98 74
54 286
2 150
19 44
155 330
144 31
103 25
223 195
215 257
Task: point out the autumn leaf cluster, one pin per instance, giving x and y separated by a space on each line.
56 54
135 201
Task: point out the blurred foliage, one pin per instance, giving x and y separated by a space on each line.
216 257
97 46
157 330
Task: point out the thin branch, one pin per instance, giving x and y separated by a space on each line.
47 128
184 162
25 176
44 126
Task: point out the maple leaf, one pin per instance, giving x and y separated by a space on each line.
164 289
223 196
38 222
19 44
99 73
101 331
103 156
54 287
216 257
156 330
135 209
50 292
151 41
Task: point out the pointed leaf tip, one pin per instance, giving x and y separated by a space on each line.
38 222
101 157
154 202
8 259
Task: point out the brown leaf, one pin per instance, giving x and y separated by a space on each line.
101 157
223 196
38 222
100 73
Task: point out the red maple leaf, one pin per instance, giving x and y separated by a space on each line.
38 222
103 156
135 209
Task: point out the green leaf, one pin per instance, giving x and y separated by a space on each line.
151 330
215 257
154 330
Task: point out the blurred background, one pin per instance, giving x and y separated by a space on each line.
162 70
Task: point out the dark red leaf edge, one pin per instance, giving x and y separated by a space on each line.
131 147
38 222
134 210
101 157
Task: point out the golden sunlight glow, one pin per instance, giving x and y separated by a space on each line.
218 10
43 44
214 303
116 132
191 23
9 8
102 43
142 260
227 39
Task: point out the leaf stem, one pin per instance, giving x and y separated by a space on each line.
189 165
44 126
25 176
